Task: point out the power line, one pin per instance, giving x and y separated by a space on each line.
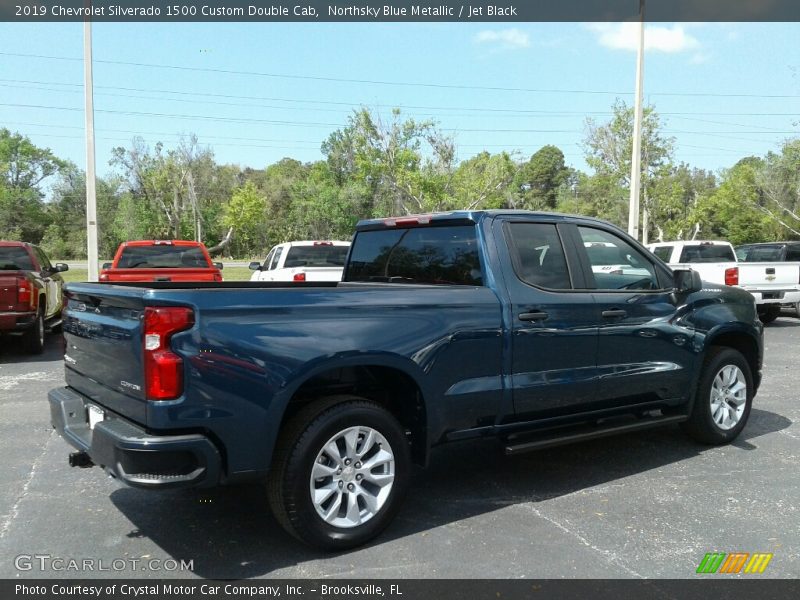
396 83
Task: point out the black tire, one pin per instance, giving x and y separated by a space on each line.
297 452
701 425
33 338
797 310
769 314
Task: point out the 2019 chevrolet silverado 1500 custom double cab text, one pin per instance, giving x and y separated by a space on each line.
445 327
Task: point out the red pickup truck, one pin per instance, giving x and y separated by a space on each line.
161 260
30 293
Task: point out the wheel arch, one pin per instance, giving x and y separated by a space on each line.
394 382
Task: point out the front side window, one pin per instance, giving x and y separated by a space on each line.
276 259
431 255
538 256
616 265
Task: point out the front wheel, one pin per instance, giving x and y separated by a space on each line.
724 398
340 471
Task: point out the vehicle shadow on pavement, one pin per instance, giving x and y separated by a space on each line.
229 533
11 350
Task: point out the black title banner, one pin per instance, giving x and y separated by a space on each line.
313 11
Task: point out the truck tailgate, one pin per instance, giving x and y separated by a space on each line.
104 355
8 290
167 274
769 276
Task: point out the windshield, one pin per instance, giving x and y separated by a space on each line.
14 258
707 253
759 253
315 256
162 257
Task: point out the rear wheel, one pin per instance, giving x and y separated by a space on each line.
769 313
340 471
724 398
33 338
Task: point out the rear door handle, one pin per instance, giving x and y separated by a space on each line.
614 313
533 316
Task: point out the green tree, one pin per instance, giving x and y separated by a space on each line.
245 214
538 180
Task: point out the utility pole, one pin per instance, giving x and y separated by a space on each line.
636 158
91 188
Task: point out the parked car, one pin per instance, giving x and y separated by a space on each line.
161 260
773 252
30 293
302 261
772 283
445 327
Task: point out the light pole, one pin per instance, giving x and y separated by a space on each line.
91 189
636 158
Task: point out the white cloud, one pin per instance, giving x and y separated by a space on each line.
506 38
659 38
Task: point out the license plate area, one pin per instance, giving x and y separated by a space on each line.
95 415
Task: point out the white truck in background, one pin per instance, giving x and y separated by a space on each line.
771 283
305 260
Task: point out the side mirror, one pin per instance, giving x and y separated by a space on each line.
219 265
687 281
106 265
254 266
61 267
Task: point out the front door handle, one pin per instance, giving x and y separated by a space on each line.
614 313
533 316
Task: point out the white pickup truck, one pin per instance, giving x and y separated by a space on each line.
771 283
302 261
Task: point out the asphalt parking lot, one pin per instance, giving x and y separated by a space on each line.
645 505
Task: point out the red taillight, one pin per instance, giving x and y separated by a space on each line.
217 277
24 295
732 276
299 277
163 369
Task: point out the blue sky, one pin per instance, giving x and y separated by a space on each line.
725 90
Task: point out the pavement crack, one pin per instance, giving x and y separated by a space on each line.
14 512
610 556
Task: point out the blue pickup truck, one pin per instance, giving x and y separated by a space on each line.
535 329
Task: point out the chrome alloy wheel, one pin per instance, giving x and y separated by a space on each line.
352 477
728 396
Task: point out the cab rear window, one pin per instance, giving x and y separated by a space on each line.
162 257
14 258
446 255
707 253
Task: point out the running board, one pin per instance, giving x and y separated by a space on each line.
550 439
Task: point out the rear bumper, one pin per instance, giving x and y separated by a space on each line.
17 321
131 454
791 296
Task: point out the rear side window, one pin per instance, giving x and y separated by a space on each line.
759 253
537 255
14 258
162 257
663 252
315 256
793 253
432 255
707 253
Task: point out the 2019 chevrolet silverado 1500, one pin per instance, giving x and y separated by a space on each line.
302 261
161 260
445 327
30 293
